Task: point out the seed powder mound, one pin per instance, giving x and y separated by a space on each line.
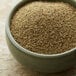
45 27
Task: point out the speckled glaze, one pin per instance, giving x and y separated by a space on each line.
39 62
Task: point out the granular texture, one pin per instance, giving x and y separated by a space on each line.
45 27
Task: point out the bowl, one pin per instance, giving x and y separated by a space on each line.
39 62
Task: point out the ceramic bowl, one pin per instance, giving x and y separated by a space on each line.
38 62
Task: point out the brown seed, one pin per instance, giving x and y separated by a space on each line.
45 27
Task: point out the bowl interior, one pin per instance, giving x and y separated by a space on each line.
19 5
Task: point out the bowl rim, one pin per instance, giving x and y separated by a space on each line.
18 46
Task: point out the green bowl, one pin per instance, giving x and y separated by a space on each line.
38 62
